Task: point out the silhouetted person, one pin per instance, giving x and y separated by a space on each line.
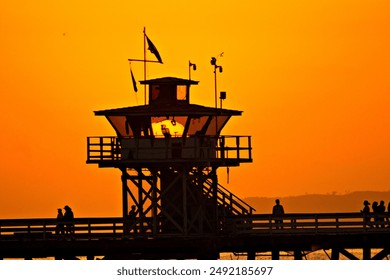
375 212
132 219
68 219
388 213
366 213
278 211
381 209
60 220
165 131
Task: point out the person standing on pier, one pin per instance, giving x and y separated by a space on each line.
375 212
60 225
388 214
278 211
366 213
381 209
68 219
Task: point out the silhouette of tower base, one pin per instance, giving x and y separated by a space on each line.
171 200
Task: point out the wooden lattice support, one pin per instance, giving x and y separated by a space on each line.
171 200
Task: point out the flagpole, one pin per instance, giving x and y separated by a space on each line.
153 50
144 65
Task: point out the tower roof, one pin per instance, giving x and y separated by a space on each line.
169 80
177 110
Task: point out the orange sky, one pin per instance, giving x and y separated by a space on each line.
312 78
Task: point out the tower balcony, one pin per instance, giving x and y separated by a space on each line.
147 151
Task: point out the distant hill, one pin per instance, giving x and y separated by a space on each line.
318 203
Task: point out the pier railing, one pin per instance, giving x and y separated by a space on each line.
295 224
259 224
46 229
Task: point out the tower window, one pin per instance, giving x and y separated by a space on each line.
181 92
155 92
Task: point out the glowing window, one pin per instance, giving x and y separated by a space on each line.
181 93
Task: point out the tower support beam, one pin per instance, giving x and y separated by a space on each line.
125 188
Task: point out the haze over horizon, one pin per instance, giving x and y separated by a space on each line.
312 79
319 203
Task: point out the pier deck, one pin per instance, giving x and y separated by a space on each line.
249 234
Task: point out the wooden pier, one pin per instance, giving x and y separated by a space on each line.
248 235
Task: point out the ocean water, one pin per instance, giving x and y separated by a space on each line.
316 255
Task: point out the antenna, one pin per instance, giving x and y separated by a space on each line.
193 66
214 63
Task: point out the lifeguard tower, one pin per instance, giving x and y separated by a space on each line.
168 152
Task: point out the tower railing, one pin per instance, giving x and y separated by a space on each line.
194 148
105 148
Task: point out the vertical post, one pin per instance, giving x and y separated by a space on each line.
44 230
366 253
185 218
112 148
125 205
154 203
298 255
335 255
199 183
214 63
238 146
214 178
101 147
117 149
251 255
140 201
249 147
144 65
275 255
215 86
88 151
89 229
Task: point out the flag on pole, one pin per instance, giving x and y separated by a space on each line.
153 49
134 82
